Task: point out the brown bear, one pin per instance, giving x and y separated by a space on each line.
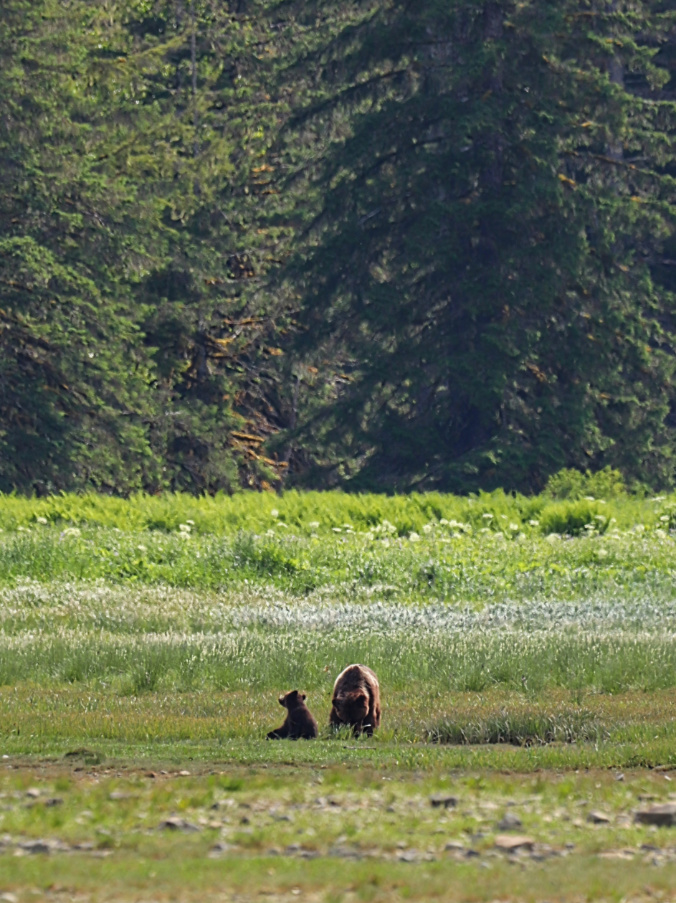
356 700
299 723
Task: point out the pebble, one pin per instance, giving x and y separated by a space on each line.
178 824
663 815
598 818
512 842
439 801
509 822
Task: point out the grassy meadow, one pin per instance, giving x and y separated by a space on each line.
527 658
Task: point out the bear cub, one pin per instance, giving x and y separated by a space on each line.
356 700
299 723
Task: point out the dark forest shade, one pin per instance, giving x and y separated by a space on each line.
374 245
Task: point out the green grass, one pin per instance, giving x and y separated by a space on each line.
526 654
564 509
332 833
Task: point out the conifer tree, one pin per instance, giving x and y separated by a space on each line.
478 281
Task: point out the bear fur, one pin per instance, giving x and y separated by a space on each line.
356 700
299 723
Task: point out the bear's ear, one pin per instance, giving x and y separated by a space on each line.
303 696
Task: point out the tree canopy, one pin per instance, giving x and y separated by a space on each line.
373 245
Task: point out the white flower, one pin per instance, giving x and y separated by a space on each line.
427 528
534 523
274 513
72 531
184 528
40 520
413 536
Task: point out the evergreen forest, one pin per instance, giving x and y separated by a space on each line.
375 245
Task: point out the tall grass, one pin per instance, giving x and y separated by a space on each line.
438 564
307 513
137 641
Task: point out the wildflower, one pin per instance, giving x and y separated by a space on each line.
274 513
487 516
314 524
72 531
184 528
40 520
427 528
413 536
534 523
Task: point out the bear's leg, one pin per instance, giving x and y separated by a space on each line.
280 734
334 720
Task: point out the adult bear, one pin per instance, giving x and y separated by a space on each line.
299 723
356 700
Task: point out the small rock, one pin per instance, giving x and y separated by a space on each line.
512 842
219 848
598 818
183 774
439 801
408 856
509 822
120 795
151 774
54 801
343 852
36 846
8 898
663 814
33 793
178 824
454 846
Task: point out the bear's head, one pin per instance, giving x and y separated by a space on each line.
291 699
353 706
